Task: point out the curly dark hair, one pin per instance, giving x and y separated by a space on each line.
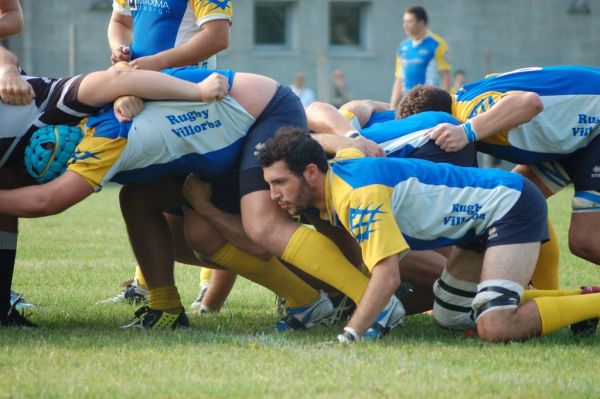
294 146
424 98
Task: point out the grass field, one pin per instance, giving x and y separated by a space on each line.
68 262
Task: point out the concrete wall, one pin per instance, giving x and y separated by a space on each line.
483 36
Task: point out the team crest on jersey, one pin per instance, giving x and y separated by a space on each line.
596 171
222 4
361 221
483 105
83 155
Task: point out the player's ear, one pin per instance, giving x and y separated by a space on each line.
311 172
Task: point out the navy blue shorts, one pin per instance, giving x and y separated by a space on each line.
583 167
284 109
527 221
432 152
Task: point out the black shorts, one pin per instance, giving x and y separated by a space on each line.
284 109
526 221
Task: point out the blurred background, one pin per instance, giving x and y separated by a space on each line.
282 38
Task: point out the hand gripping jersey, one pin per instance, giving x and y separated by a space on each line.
401 137
165 24
418 62
569 121
411 202
167 138
55 103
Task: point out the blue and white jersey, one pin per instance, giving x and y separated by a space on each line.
165 24
570 119
412 202
166 138
400 137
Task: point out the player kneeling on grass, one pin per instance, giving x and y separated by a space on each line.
495 218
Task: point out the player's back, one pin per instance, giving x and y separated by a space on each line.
571 100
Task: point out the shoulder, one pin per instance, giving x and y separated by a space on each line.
437 39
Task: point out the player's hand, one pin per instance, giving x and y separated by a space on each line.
126 107
347 336
448 137
123 53
215 87
370 148
14 90
197 192
150 62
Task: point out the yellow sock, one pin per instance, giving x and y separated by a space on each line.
558 312
318 256
165 298
271 274
205 274
531 294
140 277
545 276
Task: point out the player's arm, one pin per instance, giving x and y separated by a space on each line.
212 38
397 87
13 89
332 143
512 110
385 280
198 193
120 36
444 67
363 109
11 18
100 88
46 199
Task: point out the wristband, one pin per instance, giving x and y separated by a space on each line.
353 134
470 133
347 336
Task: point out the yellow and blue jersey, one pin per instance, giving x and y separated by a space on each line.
569 121
162 25
418 61
412 202
166 138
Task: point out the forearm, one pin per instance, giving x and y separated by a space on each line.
445 80
24 202
11 21
332 143
396 94
230 226
101 88
385 279
120 32
511 111
363 109
212 38
9 63
325 118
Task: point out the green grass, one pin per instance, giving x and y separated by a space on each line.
68 262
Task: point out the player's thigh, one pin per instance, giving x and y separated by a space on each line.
515 262
465 265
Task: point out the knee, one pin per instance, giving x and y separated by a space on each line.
494 329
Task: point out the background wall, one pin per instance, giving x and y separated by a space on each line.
69 36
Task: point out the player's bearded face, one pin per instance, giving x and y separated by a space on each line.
303 199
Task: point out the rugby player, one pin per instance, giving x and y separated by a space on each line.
496 219
545 119
404 137
164 141
63 101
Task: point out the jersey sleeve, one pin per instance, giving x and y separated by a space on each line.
122 7
211 10
95 156
441 54
367 214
